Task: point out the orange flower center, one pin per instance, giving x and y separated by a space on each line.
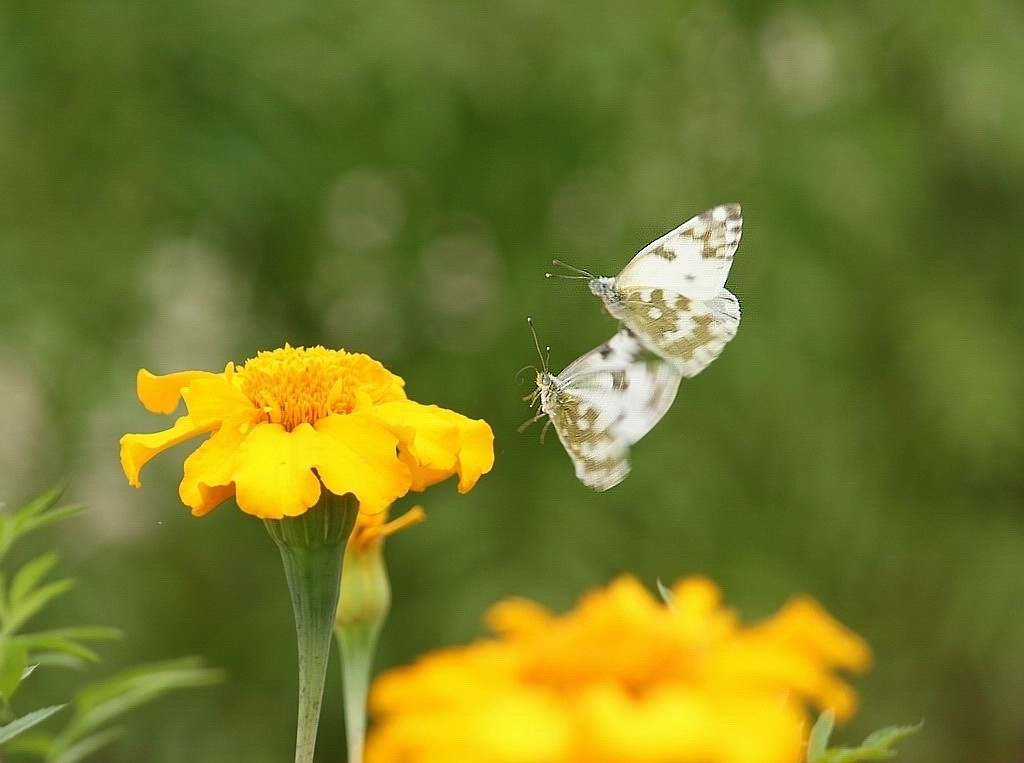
292 385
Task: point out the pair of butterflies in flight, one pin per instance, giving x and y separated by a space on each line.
672 304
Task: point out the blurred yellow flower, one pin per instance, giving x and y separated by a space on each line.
294 419
621 679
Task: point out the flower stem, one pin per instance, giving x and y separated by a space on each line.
312 546
357 648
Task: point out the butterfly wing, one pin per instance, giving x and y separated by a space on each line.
693 260
605 401
688 333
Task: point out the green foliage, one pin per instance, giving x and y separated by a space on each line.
877 746
25 594
27 721
96 705
34 515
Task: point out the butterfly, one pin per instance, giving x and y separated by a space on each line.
672 294
604 402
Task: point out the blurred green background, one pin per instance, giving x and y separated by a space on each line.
186 183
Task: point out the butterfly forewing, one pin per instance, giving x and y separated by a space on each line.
693 260
605 401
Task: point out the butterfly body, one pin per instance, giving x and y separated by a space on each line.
604 402
672 294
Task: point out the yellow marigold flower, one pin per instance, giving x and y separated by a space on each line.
294 419
621 679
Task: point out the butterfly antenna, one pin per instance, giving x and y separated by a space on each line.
536 343
579 273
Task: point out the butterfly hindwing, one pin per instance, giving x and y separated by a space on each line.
605 401
688 332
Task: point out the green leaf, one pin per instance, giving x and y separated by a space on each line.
38 744
75 633
59 660
87 746
878 746
25 722
13 661
33 515
32 524
28 576
65 640
666 594
35 601
891 734
820 733
99 703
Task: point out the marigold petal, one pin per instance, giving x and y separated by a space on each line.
160 394
476 457
431 438
699 614
838 696
686 724
420 478
524 725
209 470
805 622
138 449
209 497
356 454
212 399
273 472
516 727
696 596
438 443
368 532
517 617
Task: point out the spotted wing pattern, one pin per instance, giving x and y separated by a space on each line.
605 401
693 260
687 332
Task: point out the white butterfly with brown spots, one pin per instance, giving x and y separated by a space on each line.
604 402
672 294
